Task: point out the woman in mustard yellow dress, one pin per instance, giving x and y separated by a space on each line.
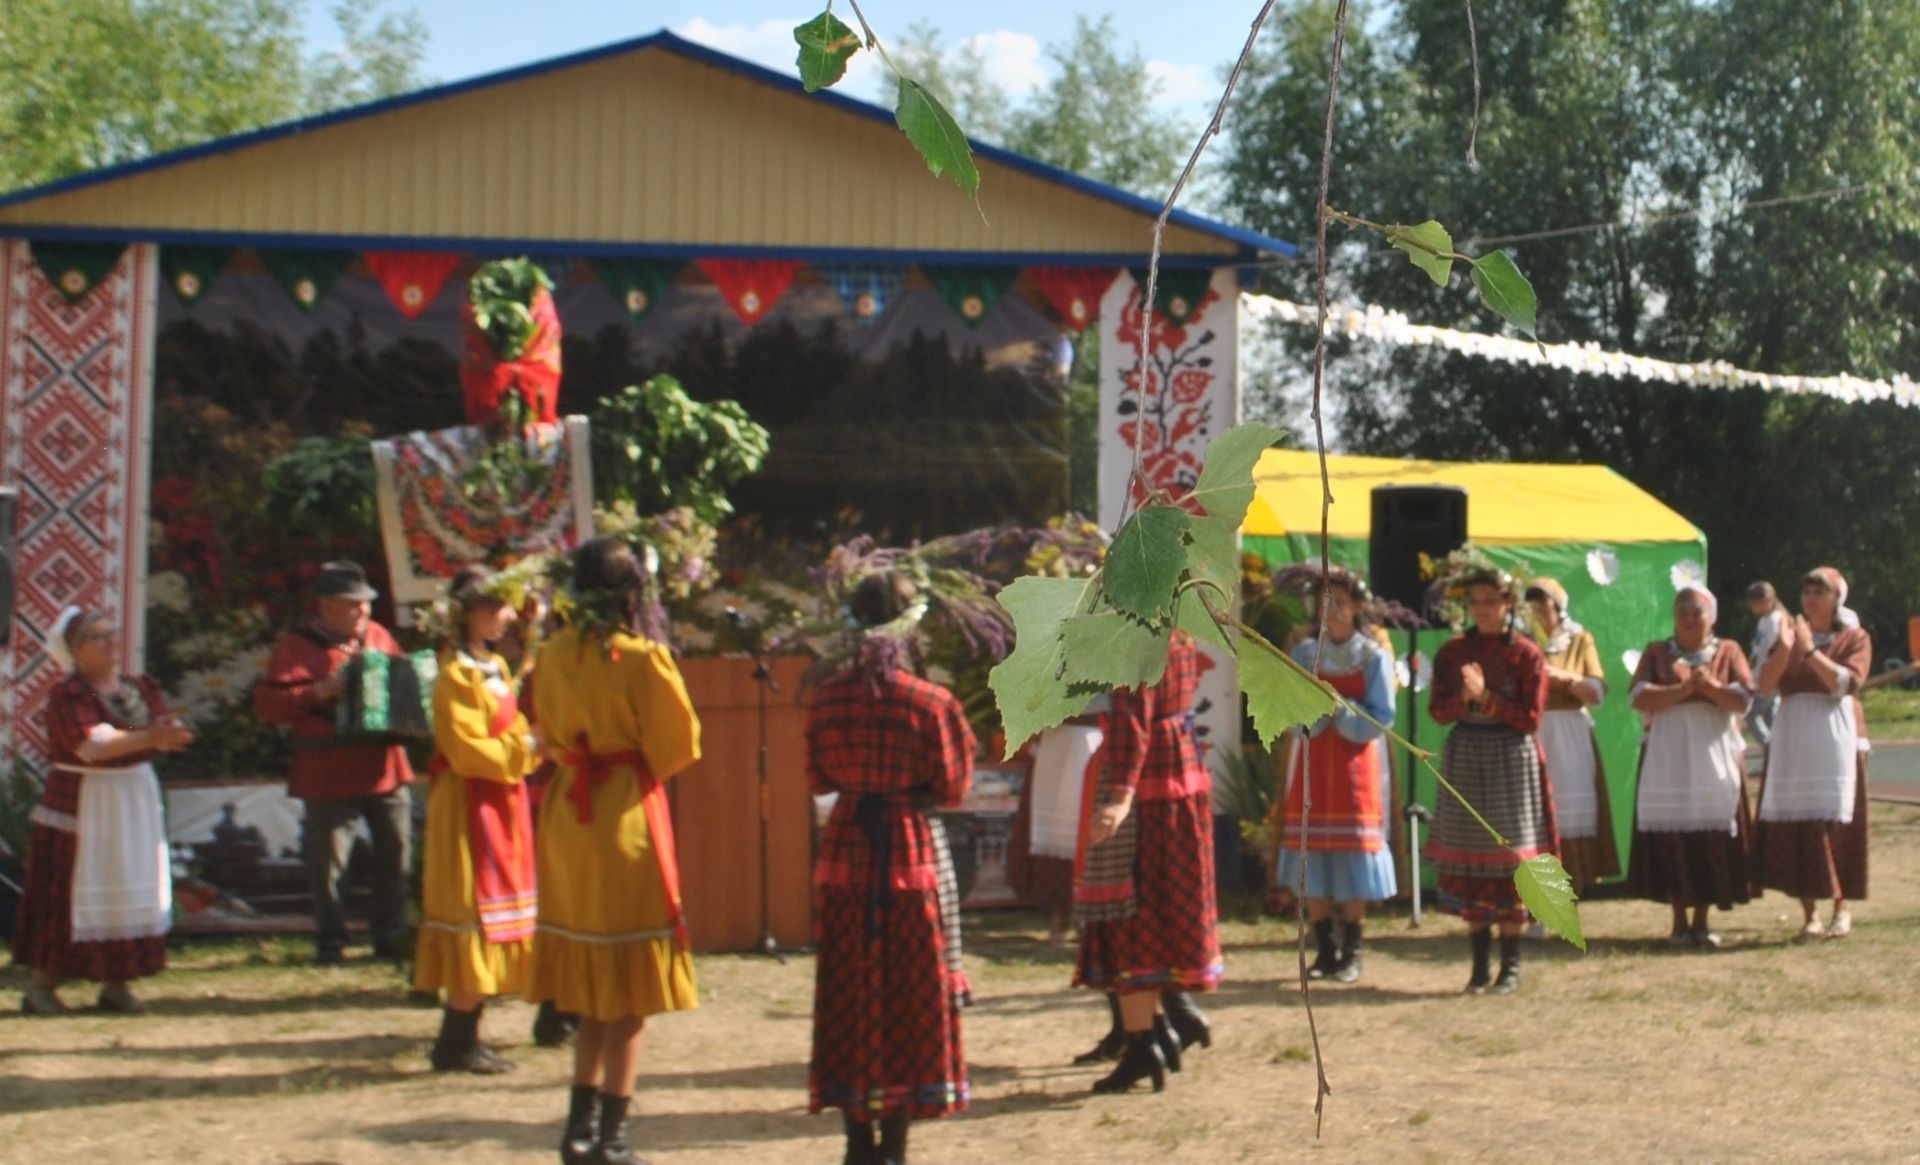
612 946
477 874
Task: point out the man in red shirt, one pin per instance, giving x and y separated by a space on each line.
342 782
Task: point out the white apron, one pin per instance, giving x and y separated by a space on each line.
122 877
1812 760
1060 763
1691 778
1566 737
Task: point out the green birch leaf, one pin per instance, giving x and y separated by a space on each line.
1115 650
1029 685
1224 491
1420 243
1144 563
1506 291
1548 893
937 136
1280 693
826 45
1192 617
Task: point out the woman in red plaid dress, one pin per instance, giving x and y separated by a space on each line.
1145 892
99 882
886 1012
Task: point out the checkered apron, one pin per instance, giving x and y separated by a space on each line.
1499 771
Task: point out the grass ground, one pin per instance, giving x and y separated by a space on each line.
1761 1051
1893 713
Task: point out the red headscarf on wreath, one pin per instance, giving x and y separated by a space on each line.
535 375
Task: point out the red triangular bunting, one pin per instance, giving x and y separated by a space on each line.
1074 292
412 279
751 286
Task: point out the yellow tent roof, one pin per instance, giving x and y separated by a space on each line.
1507 504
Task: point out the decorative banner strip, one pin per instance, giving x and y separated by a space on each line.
1177 291
637 284
412 279
1375 323
865 290
971 291
751 286
307 275
1074 292
190 271
74 268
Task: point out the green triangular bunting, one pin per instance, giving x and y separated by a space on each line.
637 284
307 275
971 291
1178 290
74 268
189 271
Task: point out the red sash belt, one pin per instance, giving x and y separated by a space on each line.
591 770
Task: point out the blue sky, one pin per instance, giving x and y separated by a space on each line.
471 37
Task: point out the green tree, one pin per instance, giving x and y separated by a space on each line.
1669 118
93 83
1095 116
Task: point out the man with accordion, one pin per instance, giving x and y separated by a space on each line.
344 769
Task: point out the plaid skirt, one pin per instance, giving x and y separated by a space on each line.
44 939
1501 773
1172 937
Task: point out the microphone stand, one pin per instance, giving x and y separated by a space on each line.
763 683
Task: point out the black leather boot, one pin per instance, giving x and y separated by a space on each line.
1168 1043
1329 959
1347 970
893 1138
583 1107
553 1028
1141 1061
1111 1044
1482 957
860 1150
1187 1019
458 1049
1509 980
614 1147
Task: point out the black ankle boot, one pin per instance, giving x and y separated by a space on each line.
893 1138
860 1149
1188 1021
1139 1062
614 1148
1329 958
1482 957
1111 1044
458 1049
1509 980
553 1028
583 1107
1347 970
1167 1042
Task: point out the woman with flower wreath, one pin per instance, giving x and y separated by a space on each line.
1691 821
612 942
477 901
99 886
1811 838
1490 684
888 991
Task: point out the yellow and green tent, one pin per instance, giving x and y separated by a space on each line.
1616 548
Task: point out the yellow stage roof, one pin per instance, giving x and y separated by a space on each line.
1507 504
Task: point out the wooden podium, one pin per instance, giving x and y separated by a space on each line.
716 808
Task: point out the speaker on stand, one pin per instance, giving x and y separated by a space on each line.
1409 521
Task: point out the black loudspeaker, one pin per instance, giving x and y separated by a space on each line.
1408 521
9 514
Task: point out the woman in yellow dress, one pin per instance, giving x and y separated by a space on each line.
477 875
612 947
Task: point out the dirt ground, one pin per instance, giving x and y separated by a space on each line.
1763 1051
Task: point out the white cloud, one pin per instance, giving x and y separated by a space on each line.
770 43
1012 58
1183 84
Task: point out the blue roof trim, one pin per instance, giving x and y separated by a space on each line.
685 48
588 248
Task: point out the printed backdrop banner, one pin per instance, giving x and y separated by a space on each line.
76 390
1187 394
444 504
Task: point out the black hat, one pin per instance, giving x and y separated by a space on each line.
343 580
